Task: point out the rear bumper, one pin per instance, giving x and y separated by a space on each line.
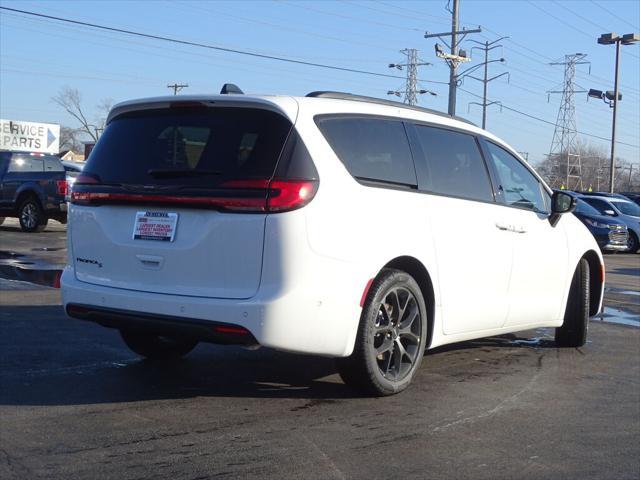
304 319
189 328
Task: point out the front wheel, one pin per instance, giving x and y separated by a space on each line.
633 242
573 332
391 336
156 347
31 216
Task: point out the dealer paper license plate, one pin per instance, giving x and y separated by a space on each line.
159 226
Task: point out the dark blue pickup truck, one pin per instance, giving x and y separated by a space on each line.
32 188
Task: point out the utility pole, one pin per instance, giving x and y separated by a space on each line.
564 143
487 47
456 56
411 87
177 87
608 39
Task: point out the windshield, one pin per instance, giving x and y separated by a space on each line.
627 208
193 147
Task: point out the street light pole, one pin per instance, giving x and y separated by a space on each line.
613 127
608 39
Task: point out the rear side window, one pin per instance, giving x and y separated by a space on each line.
598 204
26 163
191 147
454 164
371 149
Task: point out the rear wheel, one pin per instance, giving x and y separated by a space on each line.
157 347
391 336
573 332
31 216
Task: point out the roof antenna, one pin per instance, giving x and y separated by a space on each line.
230 88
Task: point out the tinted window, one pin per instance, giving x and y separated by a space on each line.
26 163
519 187
454 164
195 147
585 208
598 204
371 148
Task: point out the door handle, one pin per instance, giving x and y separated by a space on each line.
502 226
519 229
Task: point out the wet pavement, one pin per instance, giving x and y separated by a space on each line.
76 404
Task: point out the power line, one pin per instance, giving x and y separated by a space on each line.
635 27
204 45
511 109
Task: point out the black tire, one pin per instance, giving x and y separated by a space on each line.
633 242
394 299
573 332
31 216
156 347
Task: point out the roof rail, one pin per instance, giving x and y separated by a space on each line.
380 101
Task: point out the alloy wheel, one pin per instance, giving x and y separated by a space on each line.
396 336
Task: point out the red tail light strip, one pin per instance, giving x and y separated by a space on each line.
279 196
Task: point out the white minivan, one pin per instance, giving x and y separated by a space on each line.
331 224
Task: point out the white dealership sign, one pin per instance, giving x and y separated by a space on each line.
29 136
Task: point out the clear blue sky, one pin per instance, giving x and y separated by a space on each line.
38 57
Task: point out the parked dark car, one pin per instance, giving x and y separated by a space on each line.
33 188
633 196
611 234
622 209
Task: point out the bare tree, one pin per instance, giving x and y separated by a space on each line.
70 100
594 161
69 139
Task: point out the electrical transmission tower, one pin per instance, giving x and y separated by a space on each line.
566 167
411 89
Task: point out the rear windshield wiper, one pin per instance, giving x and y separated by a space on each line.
173 172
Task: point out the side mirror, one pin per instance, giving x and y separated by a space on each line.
610 213
561 203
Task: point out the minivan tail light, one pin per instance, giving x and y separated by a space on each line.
282 195
268 196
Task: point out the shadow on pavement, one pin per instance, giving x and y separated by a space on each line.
49 359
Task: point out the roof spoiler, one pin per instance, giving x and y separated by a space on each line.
228 88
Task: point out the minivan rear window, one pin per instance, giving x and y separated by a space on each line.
372 149
190 147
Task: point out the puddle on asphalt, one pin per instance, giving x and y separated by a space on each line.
615 315
18 267
619 291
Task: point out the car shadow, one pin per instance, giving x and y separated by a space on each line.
49 359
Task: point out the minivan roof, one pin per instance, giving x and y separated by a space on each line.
314 103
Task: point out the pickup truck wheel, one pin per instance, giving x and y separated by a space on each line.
391 336
156 347
573 332
31 216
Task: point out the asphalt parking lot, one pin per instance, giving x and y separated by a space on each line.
76 404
